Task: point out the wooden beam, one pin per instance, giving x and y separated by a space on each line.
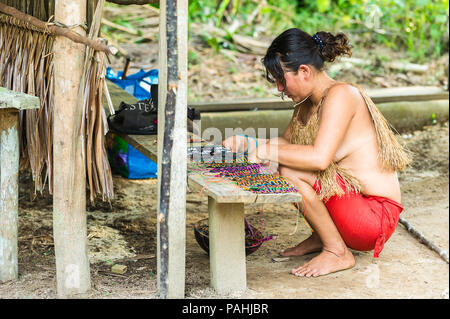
402 94
403 116
69 191
172 157
10 104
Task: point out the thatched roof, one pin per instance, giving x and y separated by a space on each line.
26 65
45 9
41 9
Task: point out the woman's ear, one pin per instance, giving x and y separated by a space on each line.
304 71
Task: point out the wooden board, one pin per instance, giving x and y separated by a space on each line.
117 95
416 93
148 144
385 95
15 100
223 190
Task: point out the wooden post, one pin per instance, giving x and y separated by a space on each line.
227 246
172 148
69 190
9 169
10 104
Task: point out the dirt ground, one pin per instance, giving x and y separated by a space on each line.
125 233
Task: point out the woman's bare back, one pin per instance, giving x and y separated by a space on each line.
358 153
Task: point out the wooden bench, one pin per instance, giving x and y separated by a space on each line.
226 227
225 208
10 104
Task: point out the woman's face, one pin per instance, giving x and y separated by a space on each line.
297 85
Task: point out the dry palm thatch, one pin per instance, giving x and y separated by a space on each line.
55 28
26 66
392 156
40 9
93 123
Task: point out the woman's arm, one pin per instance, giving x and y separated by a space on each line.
239 143
337 112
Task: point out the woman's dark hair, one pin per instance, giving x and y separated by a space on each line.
294 47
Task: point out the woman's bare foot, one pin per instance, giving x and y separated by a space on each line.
310 245
326 263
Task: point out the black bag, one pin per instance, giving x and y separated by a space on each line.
141 118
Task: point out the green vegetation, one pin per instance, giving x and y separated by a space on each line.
418 26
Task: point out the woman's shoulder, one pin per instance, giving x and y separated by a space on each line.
342 95
344 89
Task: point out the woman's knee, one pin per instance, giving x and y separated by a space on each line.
284 171
308 192
294 175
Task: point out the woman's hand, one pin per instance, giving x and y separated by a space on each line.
259 155
236 143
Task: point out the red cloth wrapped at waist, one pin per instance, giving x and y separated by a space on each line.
364 222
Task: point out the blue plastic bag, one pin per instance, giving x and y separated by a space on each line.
123 157
128 161
137 84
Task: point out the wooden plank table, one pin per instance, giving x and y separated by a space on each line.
226 217
226 226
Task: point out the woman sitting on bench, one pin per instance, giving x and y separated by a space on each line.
338 150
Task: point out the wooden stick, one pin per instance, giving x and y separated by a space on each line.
53 29
423 240
108 273
116 46
127 2
119 27
138 257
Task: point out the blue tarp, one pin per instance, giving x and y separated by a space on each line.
136 165
137 84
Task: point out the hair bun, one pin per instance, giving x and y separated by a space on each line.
334 46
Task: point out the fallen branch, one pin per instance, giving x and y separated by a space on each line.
116 46
274 8
108 273
423 240
245 43
128 30
138 257
119 27
53 29
408 67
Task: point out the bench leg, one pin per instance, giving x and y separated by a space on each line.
227 247
9 188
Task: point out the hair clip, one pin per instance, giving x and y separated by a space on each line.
318 40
